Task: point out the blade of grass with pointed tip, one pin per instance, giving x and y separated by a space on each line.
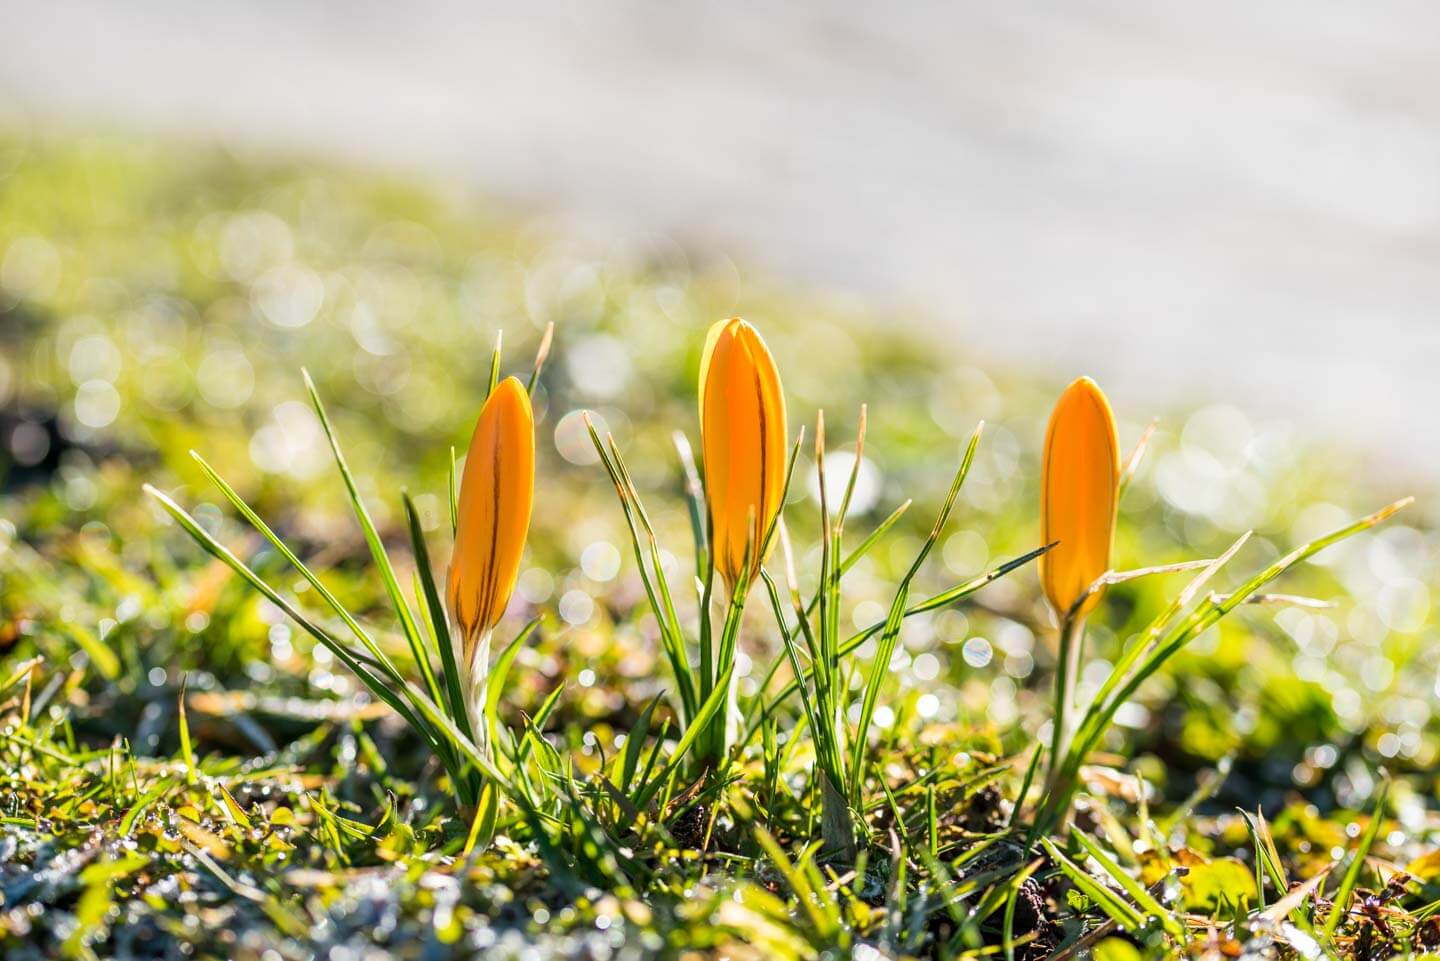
494 377
537 722
672 641
377 547
541 354
656 562
127 823
1101 714
1157 626
500 671
264 529
813 906
635 743
439 621
1110 578
1357 864
694 500
850 560
346 656
1216 611
1274 865
831 764
20 672
855 463
1025 783
880 666
187 752
960 591
1132 463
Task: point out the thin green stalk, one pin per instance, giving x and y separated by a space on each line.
1072 642
714 746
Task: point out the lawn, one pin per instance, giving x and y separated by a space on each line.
190 768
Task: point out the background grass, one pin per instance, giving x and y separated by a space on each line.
155 299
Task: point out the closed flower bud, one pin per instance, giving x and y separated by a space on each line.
743 442
497 490
1079 487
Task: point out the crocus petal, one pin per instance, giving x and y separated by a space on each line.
1079 488
743 442
497 491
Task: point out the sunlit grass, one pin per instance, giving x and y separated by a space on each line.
247 718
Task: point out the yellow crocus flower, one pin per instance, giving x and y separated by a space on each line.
1079 488
743 442
497 491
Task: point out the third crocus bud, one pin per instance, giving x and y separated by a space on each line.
743 442
496 493
1079 487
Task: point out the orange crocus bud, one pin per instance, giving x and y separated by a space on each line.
1079 488
743 442
497 491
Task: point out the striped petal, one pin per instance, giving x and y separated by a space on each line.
1079 488
497 491
743 442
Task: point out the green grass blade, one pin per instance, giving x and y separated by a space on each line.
346 656
187 751
494 378
943 599
377 549
1106 900
672 640
814 903
694 501
880 666
1025 783
453 486
440 623
500 672
331 601
1102 713
1357 864
541 354
634 745
1143 898
715 703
